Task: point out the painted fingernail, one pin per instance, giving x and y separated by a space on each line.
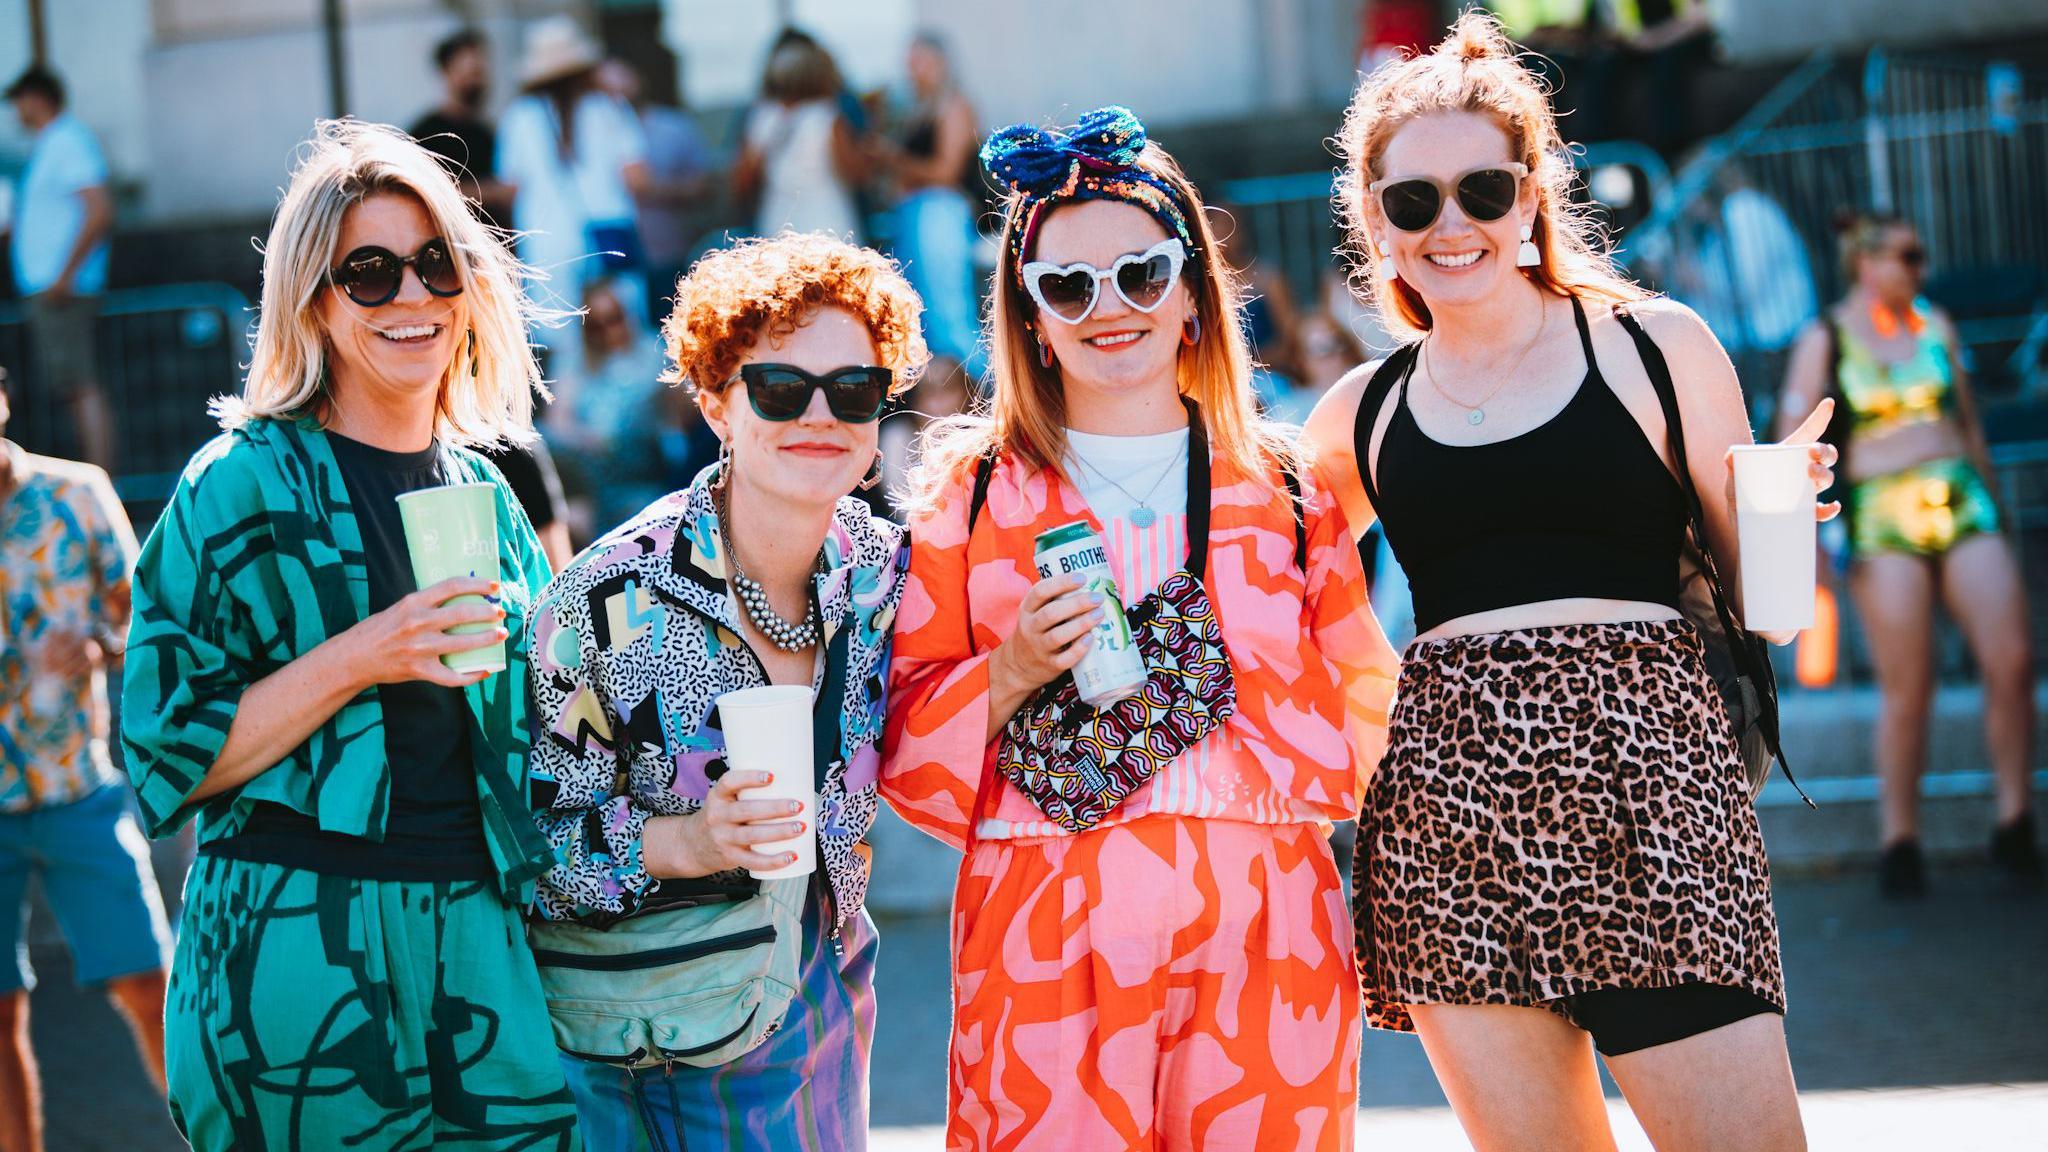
770 776
795 806
789 858
803 826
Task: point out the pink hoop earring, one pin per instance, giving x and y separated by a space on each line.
1191 331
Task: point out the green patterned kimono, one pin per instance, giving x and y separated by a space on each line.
313 1011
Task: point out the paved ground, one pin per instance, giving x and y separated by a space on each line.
1912 1027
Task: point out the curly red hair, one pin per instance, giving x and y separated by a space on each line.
734 297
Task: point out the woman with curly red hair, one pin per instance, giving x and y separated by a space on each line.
697 1006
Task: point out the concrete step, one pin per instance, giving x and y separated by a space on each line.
1833 731
1830 739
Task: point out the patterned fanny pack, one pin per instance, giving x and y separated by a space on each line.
1077 763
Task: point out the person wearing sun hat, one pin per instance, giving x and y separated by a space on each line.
574 157
1149 941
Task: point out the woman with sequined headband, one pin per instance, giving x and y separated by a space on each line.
1924 526
1148 938
1559 854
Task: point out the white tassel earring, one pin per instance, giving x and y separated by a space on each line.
1387 268
1527 256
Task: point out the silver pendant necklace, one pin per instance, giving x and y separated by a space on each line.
1475 414
1141 516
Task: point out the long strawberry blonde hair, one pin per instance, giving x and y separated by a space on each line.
1474 69
1025 418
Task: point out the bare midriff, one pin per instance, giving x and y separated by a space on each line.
1551 614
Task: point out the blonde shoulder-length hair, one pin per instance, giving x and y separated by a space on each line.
487 394
1474 69
1025 416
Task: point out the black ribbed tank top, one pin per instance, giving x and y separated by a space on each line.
1580 505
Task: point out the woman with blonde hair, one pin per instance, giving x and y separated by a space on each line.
352 970
1148 937
1924 526
1559 852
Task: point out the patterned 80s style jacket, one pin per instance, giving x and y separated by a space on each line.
1314 673
256 561
632 646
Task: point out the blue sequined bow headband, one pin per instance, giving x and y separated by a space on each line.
1096 159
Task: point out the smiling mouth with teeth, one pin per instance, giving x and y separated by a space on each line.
1116 340
1465 260
411 333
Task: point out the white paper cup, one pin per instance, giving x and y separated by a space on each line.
1774 518
769 730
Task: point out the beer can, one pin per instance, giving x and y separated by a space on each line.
1113 667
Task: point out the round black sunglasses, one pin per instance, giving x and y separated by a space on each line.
372 276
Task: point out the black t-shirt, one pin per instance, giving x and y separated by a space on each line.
434 830
467 147
531 472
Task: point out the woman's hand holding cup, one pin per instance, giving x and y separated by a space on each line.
723 834
407 640
1772 494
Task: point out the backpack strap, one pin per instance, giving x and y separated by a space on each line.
1842 425
1742 644
1389 373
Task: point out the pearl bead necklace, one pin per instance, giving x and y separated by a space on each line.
754 598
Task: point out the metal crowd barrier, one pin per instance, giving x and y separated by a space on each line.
1746 232
163 352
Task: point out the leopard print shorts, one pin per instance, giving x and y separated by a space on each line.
1559 810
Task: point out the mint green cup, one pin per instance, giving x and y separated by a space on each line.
452 531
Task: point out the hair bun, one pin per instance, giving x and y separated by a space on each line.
1475 36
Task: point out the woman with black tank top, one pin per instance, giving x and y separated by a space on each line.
352 968
1558 852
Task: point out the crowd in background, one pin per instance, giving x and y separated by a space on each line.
613 190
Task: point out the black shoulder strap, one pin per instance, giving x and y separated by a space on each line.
1842 423
1293 481
1748 659
984 471
1383 380
828 726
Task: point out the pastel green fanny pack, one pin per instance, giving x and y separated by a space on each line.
700 985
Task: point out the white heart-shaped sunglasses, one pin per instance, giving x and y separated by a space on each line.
1068 292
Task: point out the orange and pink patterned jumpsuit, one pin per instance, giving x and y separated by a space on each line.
1181 975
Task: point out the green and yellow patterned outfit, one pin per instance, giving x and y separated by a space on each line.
1929 508
310 1010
